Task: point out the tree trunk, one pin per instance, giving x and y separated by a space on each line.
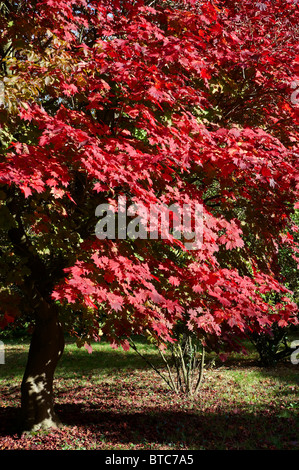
46 348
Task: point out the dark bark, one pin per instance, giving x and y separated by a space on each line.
46 348
47 342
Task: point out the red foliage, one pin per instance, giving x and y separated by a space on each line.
177 102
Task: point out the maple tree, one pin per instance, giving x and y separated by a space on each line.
161 102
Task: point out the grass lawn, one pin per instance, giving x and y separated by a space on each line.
111 400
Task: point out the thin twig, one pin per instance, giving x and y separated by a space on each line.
202 363
151 364
173 386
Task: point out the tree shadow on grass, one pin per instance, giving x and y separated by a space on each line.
172 429
209 430
10 418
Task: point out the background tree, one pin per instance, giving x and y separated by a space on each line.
159 102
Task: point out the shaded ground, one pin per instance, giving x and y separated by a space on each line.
112 401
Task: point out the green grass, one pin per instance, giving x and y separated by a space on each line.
111 399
